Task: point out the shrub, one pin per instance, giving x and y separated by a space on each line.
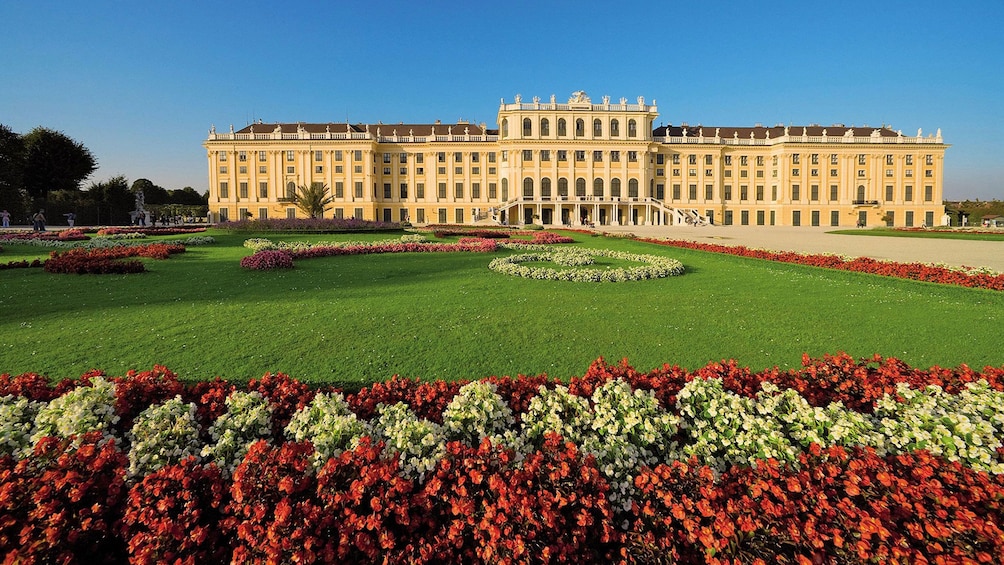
267 260
328 424
164 434
247 419
81 410
418 442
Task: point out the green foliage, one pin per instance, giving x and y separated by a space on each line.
163 434
83 409
329 424
54 161
248 418
313 200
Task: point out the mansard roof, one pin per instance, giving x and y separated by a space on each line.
402 129
761 132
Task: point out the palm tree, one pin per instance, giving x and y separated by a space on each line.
313 200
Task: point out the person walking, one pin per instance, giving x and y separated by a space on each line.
5 216
70 218
38 220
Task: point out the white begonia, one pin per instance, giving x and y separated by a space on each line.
163 434
329 424
83 409
656 266
421 443
248 418
477 412
559 411
17 422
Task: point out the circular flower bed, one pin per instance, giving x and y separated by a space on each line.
655 267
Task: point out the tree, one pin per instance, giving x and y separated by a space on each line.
152 194
53 161
313 200
12 196
113 200
187 196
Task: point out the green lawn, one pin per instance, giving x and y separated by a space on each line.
358 319
933 233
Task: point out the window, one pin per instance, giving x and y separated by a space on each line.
403 171
727 192
580 155
759 193
728 159
814 158
242 156
744 217
835 218
597 128
909 219
615 188
441 157
580 187
505 155
242 189
795 159
224 189
505 133
562 155
545 188
545 127
223 157
475 158
744 192
420 158
928 196
420 215
861 158
386 190
632 128
597 156
660 191
290 155
929 159
527 127
796 218
403 158
909 159
692 192
774 160
580 127
814 192
833 193
441 170
814 172
404 190
615 128
338 169
442 215
773 194
928 173
861 172
263 189
357 155
459 215
615 156
888 172
441 188
527 155
598 187
759 217
633 188
660 172
708 160
339 189
262 156
563 187
709 192
223 169
632 156
676 192
386 170
908 193
759 160
242 170
505 189
660 159
676 172
833 159
528 187
795 192
909 173
458 157
458 191
794 172
358 189
562 130
833 172
319 169
493 191
707 172
759 174
888 159
420 190
888 193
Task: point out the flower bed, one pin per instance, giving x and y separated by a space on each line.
617 466
965 276
657 267
308 225
148 231
107 260
301 250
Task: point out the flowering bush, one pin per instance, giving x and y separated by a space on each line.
148 231
17 421
103 260
268 260
475 413
307 225
164 434
247 419
328 424
83 409
418 442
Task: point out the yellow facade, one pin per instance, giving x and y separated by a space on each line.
583 163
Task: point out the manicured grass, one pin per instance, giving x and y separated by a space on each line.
933 233
353 320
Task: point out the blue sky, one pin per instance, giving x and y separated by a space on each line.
140 83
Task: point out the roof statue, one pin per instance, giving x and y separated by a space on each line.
552 99
786 128
735 134
231 128
212 128
536 99
920 132
519 98
278 128
623 101
606 99
805 131
718 131
579 96
849 132
641 100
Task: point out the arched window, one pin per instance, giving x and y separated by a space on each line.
545 188
527 127
597 128
861 193
545 127
580 187
580 127
505 128
291 190
598 187
633 188
528 187
505 190
615 128
562 130
563 187
615 186
632 128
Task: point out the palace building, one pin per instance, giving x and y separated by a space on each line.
582 163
